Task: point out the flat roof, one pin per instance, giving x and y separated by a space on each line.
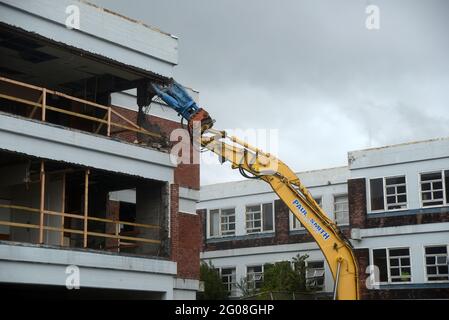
401 144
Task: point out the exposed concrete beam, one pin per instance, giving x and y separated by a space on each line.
59 144
36 265
101 32
295 247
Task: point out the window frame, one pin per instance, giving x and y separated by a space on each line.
260 204
292 221
445 200
220 231
247 275
321 289
335 212
292 217
235 290
228 223
424 255
384 189
371 257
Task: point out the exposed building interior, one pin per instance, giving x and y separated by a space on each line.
78 87
60 204
87 179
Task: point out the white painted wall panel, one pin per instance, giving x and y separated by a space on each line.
402 153
51 142
101 32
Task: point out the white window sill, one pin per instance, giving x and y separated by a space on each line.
385 211
437 281
435 206
221 237
259 232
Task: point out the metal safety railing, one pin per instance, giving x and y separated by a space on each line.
43 105
42 212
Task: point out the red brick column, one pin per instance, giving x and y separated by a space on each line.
203 227
185 236
189 246
282 222
362 257
357 202
174 231
186 175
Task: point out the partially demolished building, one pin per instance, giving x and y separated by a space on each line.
87 188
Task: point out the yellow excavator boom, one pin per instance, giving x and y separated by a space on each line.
255 163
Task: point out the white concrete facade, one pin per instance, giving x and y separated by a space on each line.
130 48
324 185
62 144
28 264
100 32
241 259
409 160
188 198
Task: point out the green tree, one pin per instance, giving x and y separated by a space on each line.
214 289
287 277
279 277
246 290
299 265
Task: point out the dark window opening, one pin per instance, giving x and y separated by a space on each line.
380 260
377 194
446 184
116 226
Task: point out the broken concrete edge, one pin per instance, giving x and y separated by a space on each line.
127 18
153 76
84 257
47 19
97 148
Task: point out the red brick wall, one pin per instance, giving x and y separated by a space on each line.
281 234
186 241
392 294
357 202
281 222
174 231
186 175
358 217
362 257
189 246
203 228
420 217
185 236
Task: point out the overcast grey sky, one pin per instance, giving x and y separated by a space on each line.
311 69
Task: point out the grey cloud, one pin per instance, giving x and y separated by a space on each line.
311 69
